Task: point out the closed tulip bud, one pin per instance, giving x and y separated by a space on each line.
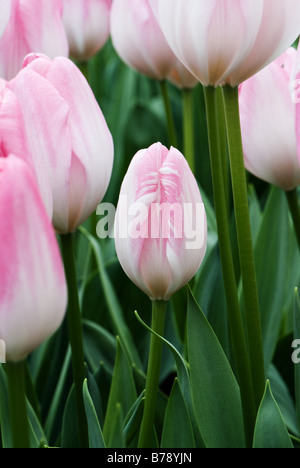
29 26
87 26
268 123
33 293
227 41
138 39
160 225
67 136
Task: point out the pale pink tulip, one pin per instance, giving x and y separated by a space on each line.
87 26
227 41
138 40
67 136
295 90
268 123
160 225
33 292
29 26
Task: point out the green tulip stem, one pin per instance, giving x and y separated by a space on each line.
169 113
244 238
188 127
217 154
17 404
153 374
75 334
293 201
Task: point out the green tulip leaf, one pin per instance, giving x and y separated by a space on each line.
133 421
122 391
116 434
215 391
270 430
95 432
177 429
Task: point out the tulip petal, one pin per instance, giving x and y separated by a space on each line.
268 125
139 40
14 140
33 26
33 292
47 135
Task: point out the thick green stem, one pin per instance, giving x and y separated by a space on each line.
188 127
234 314
75 335
293 201
153 374
169 114
222 136
17 400
245 244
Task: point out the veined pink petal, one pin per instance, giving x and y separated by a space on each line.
44 117
151 222
33 293
13 139
138 39
33 26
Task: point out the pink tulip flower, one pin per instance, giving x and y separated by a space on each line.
295 90
29 26
87 26
227 41
268 124
33 292
160 225
138 39
66 135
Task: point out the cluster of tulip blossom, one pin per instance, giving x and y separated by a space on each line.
54 124
57 152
